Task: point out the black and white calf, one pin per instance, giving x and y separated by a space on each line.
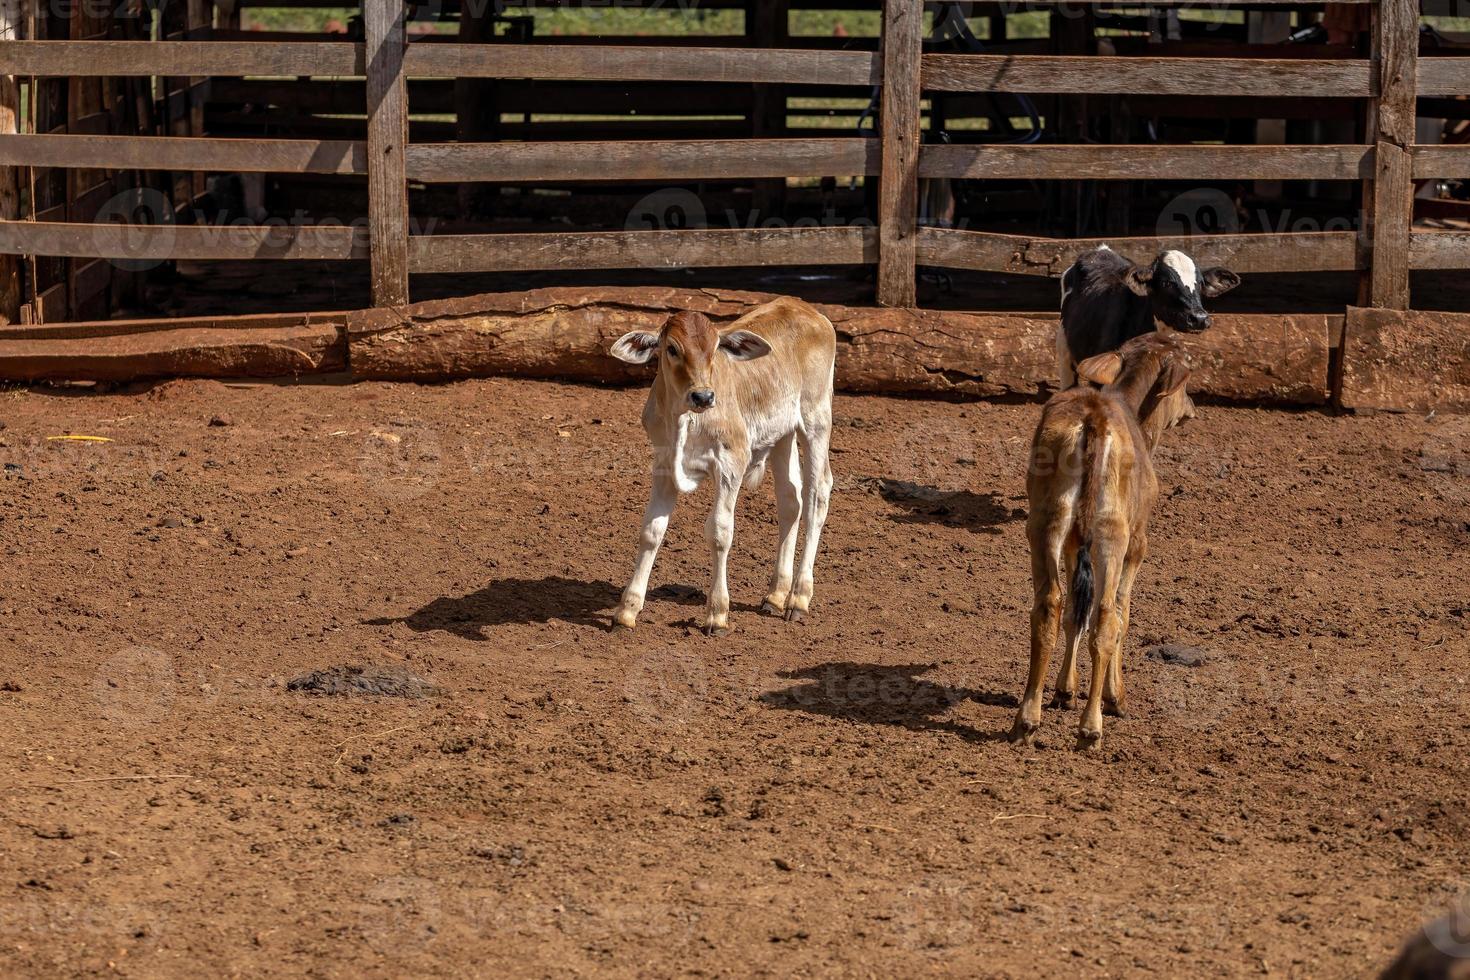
1107 301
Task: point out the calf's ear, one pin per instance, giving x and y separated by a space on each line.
635 347
1138 278
1218 281
1174 378
1101 369
744 345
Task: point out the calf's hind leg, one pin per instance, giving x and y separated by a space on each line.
1107 636
1045 612
785 468
1114 697
816 479
1066 690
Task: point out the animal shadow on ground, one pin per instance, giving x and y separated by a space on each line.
880 694
512 600
980 512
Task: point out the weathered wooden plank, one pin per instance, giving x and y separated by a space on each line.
1443 76
781 66
713 247
661 160
1389 199
1198 77
387 142
1244 253
1447 161
185 153
1391 218
145 242
1040 161
92 58
900 121
1410 361
1439 250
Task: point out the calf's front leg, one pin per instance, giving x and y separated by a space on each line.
719 531
655 522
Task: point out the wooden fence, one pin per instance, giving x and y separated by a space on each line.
1383 251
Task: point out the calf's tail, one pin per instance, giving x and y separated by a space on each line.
1094 458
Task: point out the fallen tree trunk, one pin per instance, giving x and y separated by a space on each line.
565 333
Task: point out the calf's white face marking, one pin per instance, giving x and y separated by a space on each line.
1184 268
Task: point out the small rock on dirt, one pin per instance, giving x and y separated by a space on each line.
221 420
1177 654
348 679
171 522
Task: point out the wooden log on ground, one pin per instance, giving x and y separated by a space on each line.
566 332
269 346
1406 361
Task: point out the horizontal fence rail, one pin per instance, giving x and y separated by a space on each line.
1328 251
158 242
1040 161
789 66
184 153
1296 78
135 58
652 160
703 248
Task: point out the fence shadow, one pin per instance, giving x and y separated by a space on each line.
882 694
512 600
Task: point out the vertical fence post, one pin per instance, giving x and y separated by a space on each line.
10 287
1388 201
387 108
898 185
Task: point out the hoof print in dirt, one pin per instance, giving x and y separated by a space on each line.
1177 654
349 679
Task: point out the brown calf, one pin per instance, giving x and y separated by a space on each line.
722 404
1091 485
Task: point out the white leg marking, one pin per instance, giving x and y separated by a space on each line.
655 522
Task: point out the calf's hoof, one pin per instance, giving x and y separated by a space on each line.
794 615
1023 732
1089 741
623 620
769 608
1115 709
1063 700
715 629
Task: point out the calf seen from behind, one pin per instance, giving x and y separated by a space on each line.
724 403
1091 486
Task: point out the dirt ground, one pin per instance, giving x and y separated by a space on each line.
828 798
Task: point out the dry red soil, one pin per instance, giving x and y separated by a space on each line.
827 798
